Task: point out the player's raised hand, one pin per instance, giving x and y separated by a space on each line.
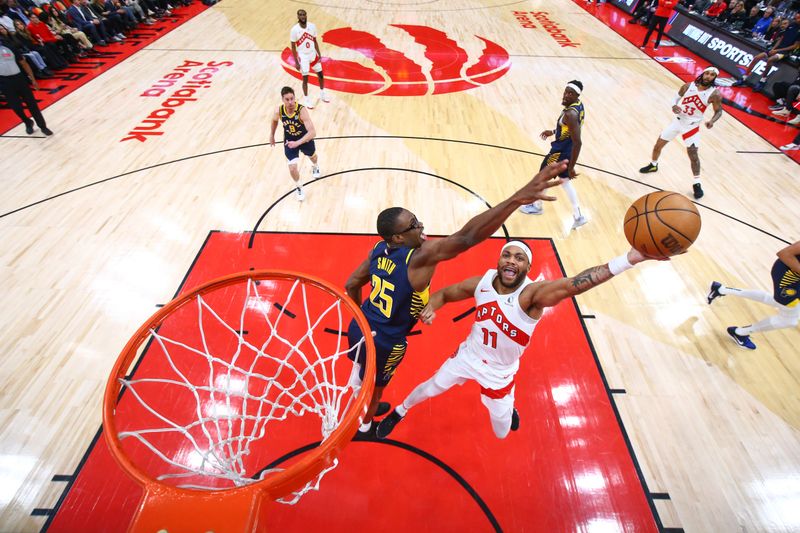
546 178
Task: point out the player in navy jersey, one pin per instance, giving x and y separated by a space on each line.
567 145
400 267
298 136
785 297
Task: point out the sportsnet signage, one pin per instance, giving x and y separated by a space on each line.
628 6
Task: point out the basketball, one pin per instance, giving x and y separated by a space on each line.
662 224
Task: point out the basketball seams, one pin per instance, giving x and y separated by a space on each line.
650 229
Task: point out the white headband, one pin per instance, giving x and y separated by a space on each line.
715 70
574 87
519 244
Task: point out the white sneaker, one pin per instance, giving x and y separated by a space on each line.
790 146
307 102
579 221
794 121
532 209
315 172
781 112
323 94
300 194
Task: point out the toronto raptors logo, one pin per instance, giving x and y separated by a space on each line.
451 69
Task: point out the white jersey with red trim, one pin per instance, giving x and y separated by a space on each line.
303 39
694 103
501 332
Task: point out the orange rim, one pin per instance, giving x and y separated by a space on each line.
281 483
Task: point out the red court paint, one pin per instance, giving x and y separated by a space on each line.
87 69
566 469
405 77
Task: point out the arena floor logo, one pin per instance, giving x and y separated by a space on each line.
451 70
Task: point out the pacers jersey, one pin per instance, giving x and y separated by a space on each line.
786 284
694 103
563 142
502 329
293 127
393 305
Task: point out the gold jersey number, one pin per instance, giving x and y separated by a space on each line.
381 296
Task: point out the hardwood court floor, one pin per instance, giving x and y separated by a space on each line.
98 231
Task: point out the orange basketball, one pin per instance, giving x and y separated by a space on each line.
662 224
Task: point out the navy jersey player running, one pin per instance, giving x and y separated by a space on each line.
785 297
567 145
400 267
298 136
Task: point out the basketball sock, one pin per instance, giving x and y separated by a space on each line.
355 381
654 162
401 409
573 197
696 180
757 296
774 322
501 426
363 428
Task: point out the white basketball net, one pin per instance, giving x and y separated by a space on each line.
245 399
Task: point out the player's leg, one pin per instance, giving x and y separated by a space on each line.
388 356
317 67
694 159
310 149
666 136
718 290
500 404
293 157
788 317
537 207
452 372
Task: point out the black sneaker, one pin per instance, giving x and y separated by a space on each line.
650 167
387 424
367 435
46 131
742 340
714 293
514 420
383 408
698 191
29 127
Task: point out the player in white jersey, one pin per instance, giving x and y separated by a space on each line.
689 105
307 55
508 307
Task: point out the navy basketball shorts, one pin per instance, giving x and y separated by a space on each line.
553 157
785 284
293 154
388 354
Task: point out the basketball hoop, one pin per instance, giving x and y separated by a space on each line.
215 420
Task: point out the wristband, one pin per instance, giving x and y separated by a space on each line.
620 264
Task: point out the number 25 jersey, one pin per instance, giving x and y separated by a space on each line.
393 305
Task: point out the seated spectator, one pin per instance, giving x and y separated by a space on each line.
716 9
785 43
115 21
66 49
48 51
16 12
88 22
735 16
763 24
6 21
778 25
752 19
60 28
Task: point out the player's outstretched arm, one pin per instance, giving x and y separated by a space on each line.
789 257
480 227
357 279
452 293
550 293
716 102
275 118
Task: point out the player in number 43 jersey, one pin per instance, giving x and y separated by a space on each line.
508 306
689 105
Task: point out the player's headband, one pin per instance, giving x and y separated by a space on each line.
574 88
715 70
522 245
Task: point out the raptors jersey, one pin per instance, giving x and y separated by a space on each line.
694 103
303 39
500 334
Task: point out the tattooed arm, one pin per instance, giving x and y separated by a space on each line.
537 296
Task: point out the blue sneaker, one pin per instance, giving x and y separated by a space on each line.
713 294
515 420
742 340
